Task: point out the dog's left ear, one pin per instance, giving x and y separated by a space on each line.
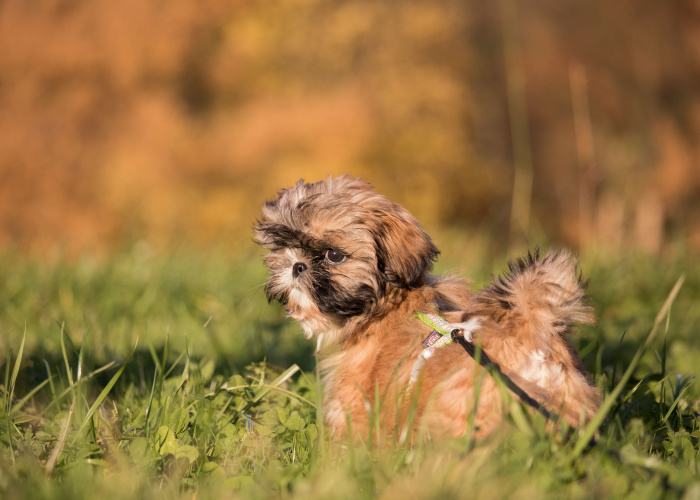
404 251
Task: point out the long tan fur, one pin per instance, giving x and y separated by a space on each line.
362 308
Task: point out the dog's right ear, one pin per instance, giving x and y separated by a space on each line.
263 228
404 251
275 221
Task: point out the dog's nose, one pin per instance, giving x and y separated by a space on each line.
298 268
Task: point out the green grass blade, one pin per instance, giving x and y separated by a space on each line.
10 395
80 356
174 365
679 395
161 370
266 388
79 374
50 379
61 443
665 352
157 385
30 394
18 361
588 432
615 360
6 394
290 394
59 397
103 395
69 372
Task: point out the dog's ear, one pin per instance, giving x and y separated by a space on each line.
404 250
273 228
265 229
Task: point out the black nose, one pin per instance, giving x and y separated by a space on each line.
298 268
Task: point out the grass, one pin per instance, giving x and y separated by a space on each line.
148 376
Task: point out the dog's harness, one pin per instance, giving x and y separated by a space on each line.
443 334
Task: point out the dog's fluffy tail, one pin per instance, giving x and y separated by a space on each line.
534 307
545 293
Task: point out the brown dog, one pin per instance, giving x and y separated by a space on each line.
352 268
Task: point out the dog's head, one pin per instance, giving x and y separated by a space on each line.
337 248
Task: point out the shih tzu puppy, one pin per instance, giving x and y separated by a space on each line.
420 351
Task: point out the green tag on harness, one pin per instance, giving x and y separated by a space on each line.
436 322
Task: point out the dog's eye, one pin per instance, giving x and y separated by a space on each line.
334 256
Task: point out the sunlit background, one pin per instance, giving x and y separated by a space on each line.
170 122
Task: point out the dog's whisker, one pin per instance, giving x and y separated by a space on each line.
256 287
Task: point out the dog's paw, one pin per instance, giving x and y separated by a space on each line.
467 328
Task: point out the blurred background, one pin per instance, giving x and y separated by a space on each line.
171 122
